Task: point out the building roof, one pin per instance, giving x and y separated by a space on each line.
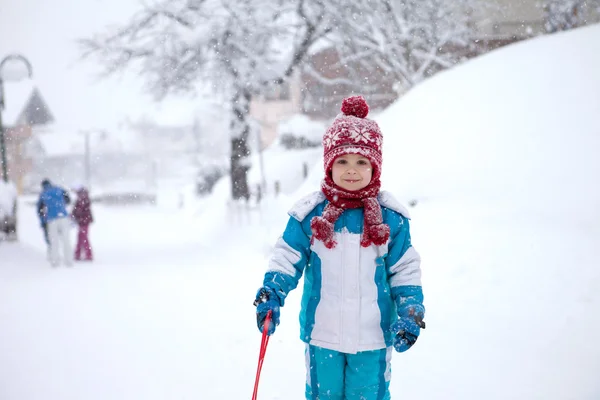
23 105
16 96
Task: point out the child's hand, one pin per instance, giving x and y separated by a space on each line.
267 300
408 327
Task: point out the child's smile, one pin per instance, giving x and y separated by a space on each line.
351 181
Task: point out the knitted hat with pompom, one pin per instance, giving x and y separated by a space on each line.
352 133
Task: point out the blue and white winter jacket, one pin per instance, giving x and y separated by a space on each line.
54 200
350 292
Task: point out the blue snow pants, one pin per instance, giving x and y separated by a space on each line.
331 375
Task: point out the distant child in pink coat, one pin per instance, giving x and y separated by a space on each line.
82 214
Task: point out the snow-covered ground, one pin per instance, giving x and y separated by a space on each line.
500 154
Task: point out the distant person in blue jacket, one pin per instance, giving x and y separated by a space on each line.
362 293
53 201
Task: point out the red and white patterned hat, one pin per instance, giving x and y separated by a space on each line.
352 133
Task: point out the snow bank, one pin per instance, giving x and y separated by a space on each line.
8 195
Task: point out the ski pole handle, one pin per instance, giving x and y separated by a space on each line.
418 318
263 297
419 321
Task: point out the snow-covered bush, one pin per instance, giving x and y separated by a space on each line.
208 176
8 208
8 197
300 132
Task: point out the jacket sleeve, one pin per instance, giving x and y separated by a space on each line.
403 265
41 210
288 260
66 197
76 212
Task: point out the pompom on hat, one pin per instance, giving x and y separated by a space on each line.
352 133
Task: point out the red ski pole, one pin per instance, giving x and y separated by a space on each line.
263 349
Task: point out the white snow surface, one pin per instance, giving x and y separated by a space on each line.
500 154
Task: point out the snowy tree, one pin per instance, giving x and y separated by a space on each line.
562 15
244 48
408 40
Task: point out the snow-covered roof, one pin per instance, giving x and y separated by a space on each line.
16 97
321 44
59 140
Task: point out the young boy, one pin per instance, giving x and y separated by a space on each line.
362 277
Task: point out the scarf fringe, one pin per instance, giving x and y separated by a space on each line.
323 231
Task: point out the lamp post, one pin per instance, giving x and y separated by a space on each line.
10 57
87 168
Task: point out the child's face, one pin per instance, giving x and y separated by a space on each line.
351 171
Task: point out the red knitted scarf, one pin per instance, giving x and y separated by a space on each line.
374 230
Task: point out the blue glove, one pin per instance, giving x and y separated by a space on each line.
267 300
408 327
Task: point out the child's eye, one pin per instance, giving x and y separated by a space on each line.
362 162
341 161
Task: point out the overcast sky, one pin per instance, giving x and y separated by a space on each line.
45 32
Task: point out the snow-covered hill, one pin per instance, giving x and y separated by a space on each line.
517 128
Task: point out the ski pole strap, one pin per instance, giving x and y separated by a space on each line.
263 349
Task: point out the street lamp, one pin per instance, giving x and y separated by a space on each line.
87 160
10 57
